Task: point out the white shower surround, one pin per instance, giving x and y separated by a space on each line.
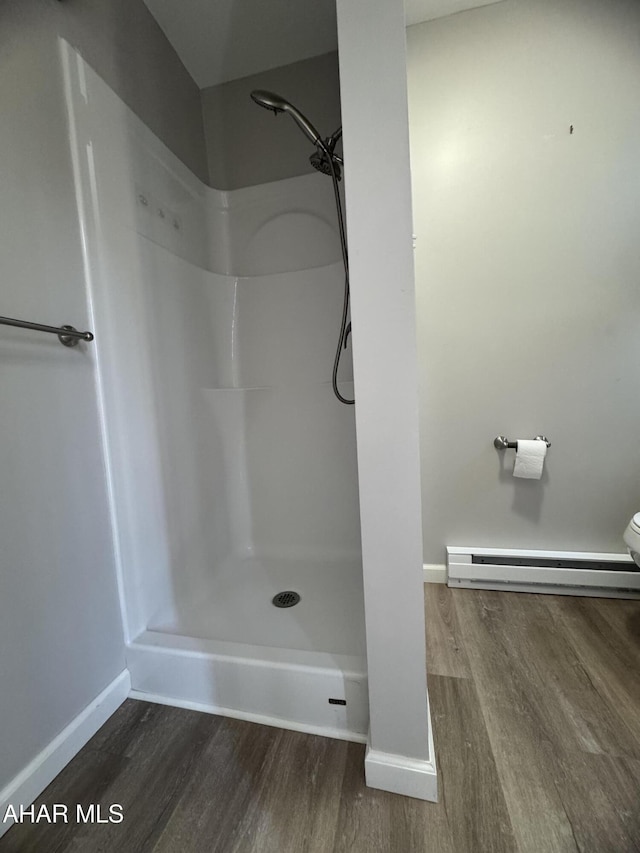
232 468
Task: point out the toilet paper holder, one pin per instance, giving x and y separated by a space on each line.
502 443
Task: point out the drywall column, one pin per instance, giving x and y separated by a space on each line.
378 199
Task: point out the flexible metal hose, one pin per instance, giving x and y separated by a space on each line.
345 302
277 104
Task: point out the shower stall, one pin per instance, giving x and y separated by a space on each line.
232 465
174 478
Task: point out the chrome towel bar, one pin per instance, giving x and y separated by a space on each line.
67 335
502 443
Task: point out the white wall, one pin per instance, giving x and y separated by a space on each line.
60 628
528 270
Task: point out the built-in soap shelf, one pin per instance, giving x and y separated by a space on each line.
257 279
288 386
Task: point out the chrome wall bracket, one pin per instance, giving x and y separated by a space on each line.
69 340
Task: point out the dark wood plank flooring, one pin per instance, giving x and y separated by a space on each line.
536 711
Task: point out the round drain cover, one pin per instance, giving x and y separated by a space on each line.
285 599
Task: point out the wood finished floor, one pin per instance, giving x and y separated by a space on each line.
536 711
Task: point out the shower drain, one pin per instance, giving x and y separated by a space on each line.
285 599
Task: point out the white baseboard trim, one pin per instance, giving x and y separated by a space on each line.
262 719
31 782
409 777
434 573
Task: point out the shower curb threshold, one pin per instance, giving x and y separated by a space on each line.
286 688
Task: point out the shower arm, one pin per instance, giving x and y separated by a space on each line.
327 146
333 140
330 143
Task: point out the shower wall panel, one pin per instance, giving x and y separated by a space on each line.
146 242
283 226
216 320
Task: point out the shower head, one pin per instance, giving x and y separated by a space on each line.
320 161
269 100
273 102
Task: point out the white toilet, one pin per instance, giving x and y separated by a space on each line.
632 537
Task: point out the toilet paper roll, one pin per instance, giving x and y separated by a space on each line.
530 459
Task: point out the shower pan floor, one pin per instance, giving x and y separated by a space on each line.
234 604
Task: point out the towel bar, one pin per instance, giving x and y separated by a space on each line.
67 335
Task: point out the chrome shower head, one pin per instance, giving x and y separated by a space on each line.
320 161
268 100
273 102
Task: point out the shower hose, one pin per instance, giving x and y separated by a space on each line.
342 343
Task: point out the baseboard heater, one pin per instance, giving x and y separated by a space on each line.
555 572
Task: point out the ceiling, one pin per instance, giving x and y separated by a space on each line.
221 40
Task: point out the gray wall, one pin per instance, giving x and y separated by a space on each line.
61 638
528 270
248 145
122 42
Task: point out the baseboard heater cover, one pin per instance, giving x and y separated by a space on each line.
555 572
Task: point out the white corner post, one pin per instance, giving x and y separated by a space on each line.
373 84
